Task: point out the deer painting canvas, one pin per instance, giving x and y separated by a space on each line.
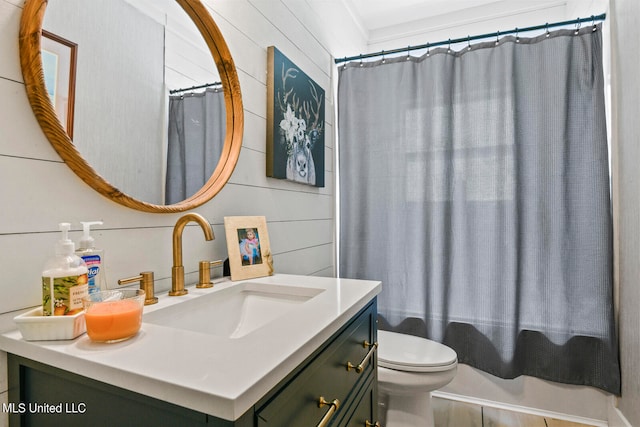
295 123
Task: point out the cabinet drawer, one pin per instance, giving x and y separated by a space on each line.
364 410
325 376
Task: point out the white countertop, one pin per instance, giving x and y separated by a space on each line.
220 376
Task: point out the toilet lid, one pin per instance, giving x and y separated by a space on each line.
409 353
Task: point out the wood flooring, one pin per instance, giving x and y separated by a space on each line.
451 413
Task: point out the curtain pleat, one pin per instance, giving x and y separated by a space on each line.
475 185
197 129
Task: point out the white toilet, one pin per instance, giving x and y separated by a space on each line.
409 368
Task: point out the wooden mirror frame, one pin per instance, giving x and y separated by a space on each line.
33 74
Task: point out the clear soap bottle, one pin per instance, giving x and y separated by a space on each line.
93 258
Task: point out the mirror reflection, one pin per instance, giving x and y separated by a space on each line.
147 107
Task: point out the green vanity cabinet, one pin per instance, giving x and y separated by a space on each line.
83 402
326 377
294 402
365 407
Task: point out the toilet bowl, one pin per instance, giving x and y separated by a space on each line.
409 369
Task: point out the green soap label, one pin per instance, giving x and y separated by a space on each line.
62 296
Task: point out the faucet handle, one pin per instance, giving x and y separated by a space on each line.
146 284
204 270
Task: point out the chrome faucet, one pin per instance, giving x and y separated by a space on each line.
177 271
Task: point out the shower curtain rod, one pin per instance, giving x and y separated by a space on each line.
578 21
171 92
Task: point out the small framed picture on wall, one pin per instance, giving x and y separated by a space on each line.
59 64
248 247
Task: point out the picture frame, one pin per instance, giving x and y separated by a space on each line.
248 247
295 122
59 65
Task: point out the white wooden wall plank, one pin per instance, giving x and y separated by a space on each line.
252 171
47 192
295 235
255 132
325 272
275 204
306 44
305 261
254 94
256 23
10 15
329 128
247 53
20 134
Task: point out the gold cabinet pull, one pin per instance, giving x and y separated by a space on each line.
335 404
362 364
370 424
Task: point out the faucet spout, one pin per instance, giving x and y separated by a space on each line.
177 271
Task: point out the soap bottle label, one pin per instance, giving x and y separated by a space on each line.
62 296
93 264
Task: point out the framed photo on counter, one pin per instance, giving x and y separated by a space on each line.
248 247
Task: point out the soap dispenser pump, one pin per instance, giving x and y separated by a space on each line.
93 257
64 279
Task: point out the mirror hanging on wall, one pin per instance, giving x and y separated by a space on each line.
117 141
154 146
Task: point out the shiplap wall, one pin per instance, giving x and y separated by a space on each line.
38 191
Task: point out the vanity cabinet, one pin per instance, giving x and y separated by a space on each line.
43 396
327 386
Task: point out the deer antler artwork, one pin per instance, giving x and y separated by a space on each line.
298 119
299 114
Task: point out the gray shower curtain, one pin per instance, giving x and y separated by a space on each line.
197 129
475 185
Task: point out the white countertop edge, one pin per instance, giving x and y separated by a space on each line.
253 395
228 407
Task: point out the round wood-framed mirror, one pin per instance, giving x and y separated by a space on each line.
31 27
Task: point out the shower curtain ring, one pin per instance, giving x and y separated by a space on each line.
546 29
497 37
428 49
577 26
449 46
383 58
593 23
408 52
361 64
517 36
468 42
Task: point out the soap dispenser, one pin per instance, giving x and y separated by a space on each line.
93 257
64 279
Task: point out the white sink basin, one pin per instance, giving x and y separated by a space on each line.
233 312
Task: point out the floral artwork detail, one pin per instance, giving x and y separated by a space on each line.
295 130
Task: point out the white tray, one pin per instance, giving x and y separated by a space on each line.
35 327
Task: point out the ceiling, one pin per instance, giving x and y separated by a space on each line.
354 27
377 14
382 21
